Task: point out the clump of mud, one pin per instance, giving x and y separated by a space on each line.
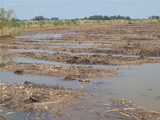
83 81
34 97
6 36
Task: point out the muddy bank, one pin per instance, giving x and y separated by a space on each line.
29 97
56 70
81 59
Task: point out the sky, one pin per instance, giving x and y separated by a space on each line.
70 9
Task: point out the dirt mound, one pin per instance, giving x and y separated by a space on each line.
56 70
34 97
6 36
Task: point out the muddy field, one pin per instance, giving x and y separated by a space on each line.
71 53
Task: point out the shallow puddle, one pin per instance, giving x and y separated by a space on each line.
141 84
44 34
111 41
51 51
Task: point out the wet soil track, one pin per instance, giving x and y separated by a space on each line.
141 39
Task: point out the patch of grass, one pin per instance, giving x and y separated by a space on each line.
14 25
17 25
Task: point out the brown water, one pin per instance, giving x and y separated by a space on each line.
129 84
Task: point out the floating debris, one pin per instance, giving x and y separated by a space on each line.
127 110
145 95
91 110
19 72
83 81
158 97
9 113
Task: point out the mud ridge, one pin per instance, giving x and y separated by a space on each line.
56 70
82 59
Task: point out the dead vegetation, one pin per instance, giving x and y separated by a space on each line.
125 109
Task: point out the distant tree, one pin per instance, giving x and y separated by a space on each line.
40 18
113 17
100 17
85 18
14 19
157 17
154 17
96 17
54 18
118 17
106 18
76 19
128 18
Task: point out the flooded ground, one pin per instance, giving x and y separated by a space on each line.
128 84
124 76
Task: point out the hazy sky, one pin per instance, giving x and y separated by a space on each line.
68 9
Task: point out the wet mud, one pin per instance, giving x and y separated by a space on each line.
5 36
34 97
82 59
56 70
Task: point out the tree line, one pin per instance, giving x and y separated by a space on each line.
5 17
94 17
100 17
43 18
154 17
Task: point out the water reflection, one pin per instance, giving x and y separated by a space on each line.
6 58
